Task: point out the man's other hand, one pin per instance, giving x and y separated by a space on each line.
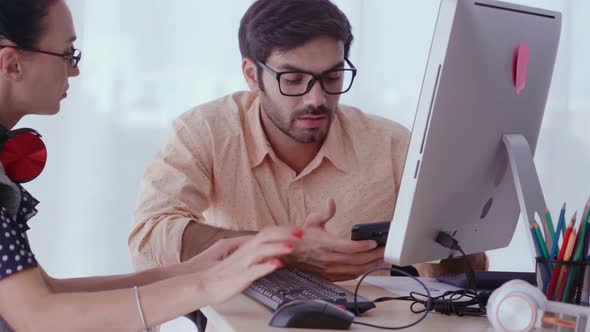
330 256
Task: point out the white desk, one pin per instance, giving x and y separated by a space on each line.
244 314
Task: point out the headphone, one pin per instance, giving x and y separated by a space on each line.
22 154
516 306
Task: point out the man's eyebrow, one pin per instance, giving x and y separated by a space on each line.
295 68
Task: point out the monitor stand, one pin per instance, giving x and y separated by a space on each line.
528 187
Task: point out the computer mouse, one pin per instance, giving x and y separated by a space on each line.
312 314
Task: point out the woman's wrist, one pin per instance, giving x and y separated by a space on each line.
200 287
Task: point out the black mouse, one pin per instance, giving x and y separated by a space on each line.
314 314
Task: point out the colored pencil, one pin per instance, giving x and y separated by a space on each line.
536 240
541 241
582 237
548 268
558 268
576 257
563 229
561 281
587 239
560 229
549 226
580 273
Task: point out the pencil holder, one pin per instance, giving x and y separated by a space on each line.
564 281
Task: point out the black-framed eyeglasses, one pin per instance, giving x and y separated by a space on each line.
294 83
73 56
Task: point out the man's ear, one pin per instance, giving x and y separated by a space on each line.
10 64
250 71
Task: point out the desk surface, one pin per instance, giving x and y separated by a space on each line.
244 314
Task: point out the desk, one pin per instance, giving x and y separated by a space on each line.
244 314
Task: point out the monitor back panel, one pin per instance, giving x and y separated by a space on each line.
457 167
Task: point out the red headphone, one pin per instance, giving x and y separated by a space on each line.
22 153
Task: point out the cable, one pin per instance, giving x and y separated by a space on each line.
448 303
388 327
448 241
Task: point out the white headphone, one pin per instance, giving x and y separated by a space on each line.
518 306
515 306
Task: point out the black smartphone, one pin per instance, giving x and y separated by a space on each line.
377 231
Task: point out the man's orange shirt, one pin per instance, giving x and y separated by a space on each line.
219 170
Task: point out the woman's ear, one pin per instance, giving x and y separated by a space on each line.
10 64
250 71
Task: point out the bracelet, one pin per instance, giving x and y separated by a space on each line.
139 308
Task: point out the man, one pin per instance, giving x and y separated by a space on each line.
284 153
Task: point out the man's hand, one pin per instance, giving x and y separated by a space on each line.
330 256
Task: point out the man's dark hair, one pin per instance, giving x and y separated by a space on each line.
282 25
21 21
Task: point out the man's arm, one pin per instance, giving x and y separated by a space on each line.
478 262
198 237
175 190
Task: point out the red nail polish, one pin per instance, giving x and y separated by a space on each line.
277 262
289 245
298 233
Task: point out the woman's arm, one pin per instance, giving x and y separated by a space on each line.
28 303
213 255
103 283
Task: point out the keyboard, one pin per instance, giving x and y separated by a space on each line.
285 285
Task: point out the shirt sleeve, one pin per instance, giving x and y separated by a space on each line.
15 255
175 190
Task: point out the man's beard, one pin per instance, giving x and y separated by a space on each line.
301 135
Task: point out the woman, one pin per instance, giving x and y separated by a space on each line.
37 58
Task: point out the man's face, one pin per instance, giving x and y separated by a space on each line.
306 119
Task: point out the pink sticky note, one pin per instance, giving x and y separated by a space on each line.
521 63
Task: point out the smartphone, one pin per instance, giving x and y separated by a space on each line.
377 231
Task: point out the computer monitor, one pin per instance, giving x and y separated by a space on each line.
488 74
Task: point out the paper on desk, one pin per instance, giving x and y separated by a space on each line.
402 286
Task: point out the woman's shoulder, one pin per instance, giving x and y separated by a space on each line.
15 251
10 193
16 207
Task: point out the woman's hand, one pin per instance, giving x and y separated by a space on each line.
251 259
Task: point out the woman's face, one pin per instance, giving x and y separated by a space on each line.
45 77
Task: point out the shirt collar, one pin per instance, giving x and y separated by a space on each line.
256 142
